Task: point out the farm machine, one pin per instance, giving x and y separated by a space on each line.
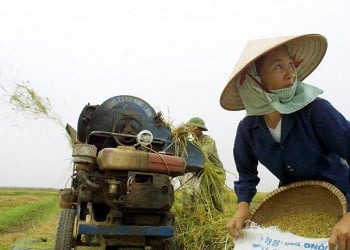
121 192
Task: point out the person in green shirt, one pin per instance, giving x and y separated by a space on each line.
215 173
206 142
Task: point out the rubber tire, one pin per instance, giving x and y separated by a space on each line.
64 234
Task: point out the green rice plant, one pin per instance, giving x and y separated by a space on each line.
14 191
35 229
8 202
31 212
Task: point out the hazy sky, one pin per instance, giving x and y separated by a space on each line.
176 55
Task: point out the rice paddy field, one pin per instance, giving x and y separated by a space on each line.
28 218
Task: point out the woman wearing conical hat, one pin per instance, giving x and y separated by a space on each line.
288 128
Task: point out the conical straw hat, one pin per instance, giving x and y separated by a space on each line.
308 49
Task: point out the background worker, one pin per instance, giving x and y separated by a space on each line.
212 177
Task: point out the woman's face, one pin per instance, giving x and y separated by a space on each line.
276 69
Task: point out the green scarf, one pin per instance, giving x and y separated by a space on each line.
287 100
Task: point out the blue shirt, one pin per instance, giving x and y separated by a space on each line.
315 141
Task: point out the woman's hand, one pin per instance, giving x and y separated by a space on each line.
340 235
234 226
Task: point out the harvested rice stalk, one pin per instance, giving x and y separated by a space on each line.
24 99
181 137
199 225
208 186
212 186
196 230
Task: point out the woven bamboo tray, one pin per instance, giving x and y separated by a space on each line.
298 198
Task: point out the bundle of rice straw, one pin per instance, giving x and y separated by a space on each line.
199 224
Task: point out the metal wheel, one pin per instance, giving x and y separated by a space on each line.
64 234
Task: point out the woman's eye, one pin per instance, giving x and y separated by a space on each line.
278 66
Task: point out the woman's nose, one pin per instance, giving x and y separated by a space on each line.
290 74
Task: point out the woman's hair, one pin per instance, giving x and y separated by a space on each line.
258 62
